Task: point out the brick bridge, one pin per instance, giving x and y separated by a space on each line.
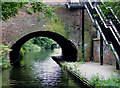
70 27
16 31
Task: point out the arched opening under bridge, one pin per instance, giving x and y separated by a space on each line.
69 51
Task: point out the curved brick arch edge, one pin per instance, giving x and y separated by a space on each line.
69 51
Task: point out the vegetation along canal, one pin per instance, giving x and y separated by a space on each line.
39 71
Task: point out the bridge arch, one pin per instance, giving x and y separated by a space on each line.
69 51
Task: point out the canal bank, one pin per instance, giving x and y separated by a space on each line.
93 74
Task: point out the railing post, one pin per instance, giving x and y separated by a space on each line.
101 50
92 55
117 66
82 34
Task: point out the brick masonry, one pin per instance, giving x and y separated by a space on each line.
108 57
15 28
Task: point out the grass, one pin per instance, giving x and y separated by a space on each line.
98 80
73 66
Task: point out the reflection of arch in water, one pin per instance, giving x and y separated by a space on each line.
69 51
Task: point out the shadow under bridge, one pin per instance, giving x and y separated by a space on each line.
69 51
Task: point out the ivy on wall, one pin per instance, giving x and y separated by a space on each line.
11 9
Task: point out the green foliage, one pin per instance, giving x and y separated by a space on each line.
58 27
74 26
29 11
95 79
115 6
98 80
3 58
11 9
39 18
29 46
95 15
36 44
43 42
105 11
4 49
73 66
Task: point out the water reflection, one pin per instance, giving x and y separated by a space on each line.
50 72
39 71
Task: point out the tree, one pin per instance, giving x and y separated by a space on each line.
10 9
115 6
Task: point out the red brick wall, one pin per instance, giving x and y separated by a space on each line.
96 50
108 56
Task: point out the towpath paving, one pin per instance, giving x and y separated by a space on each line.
89 69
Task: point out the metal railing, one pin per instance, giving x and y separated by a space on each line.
109 28
75 4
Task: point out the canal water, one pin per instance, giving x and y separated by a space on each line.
39 70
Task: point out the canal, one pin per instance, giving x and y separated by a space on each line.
39 70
